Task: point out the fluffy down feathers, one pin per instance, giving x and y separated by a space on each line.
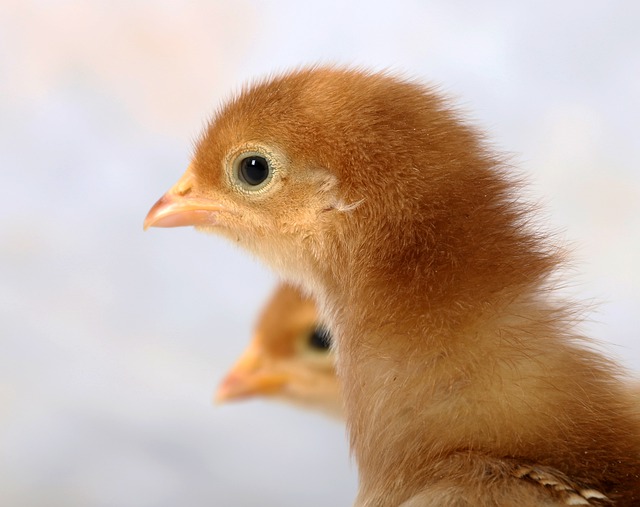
465 381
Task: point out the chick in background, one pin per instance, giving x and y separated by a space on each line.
288 359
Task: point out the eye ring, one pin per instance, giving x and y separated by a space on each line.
252 170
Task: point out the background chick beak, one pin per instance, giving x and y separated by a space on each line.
249 377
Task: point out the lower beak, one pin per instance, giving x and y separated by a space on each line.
179 208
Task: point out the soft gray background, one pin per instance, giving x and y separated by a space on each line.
112 340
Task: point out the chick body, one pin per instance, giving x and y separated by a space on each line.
465 381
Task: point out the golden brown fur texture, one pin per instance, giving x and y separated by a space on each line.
459 365
283 361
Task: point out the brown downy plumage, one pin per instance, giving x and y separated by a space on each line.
464 380
288 358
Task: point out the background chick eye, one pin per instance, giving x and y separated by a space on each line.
253 170
320 339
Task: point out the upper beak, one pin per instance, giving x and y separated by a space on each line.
249 377
178 207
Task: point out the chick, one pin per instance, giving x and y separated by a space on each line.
289 357
464 378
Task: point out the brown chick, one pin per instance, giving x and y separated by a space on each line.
289 357
465 381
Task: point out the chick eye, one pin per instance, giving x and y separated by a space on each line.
320 339
253 170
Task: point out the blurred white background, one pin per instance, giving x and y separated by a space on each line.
112 340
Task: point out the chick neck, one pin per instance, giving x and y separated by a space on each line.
448 344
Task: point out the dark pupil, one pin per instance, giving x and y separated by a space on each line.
320 339
254 170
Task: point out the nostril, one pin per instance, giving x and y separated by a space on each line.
184 186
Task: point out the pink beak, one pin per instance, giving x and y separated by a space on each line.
177 208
